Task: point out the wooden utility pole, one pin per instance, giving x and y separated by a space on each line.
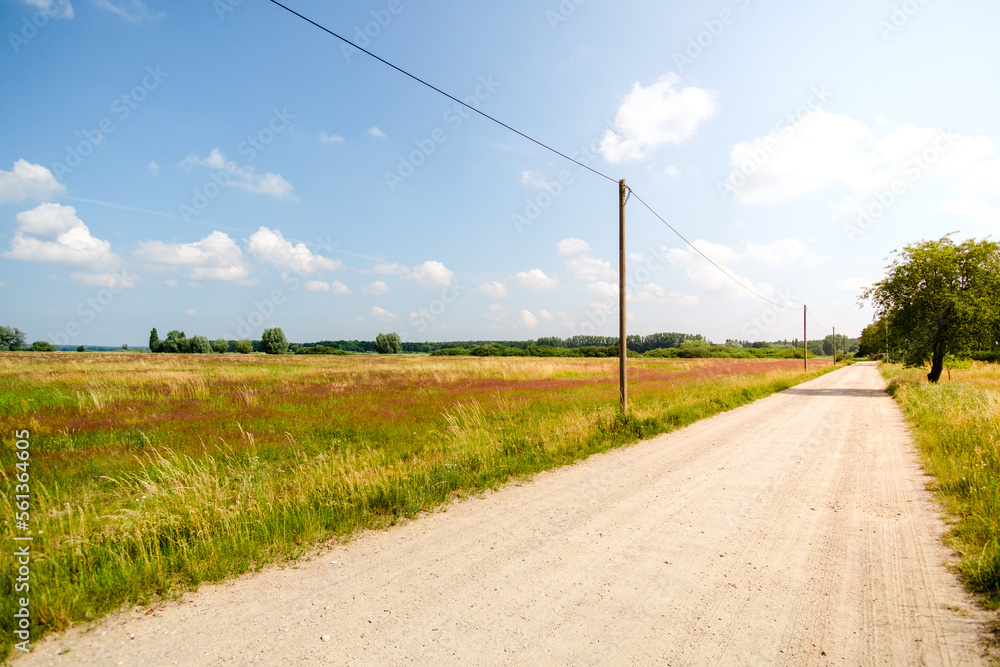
835 346
805 341
622 343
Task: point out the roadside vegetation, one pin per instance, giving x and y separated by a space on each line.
956 425
152 473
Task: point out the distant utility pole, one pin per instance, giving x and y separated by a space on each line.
835 346
805 341
622 344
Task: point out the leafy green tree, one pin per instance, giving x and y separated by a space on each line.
170 346
155 344
79 348
273 341
11 339
220 345
940 298
389 343
42 346
199 345
244 346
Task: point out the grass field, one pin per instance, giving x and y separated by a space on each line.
152 473
956 425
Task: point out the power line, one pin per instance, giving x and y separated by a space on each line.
438 90
707 258
531 139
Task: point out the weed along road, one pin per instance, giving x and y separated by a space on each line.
796 530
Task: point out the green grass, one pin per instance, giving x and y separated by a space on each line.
153 473
956 425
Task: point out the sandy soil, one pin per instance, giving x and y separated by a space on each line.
793 531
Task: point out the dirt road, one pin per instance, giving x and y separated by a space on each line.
793 531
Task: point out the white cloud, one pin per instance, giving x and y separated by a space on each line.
981 178
133 11
330 138
545 315
535 179
391 269
28 181
853 285
382 315
784 252
53 233
656 115
117 280
431 274
377 287
335 287
57 9
972 208
270 246
244 178
826 150
672 171
376 132
572 246
699 271
191 311
215 257
603 290
153 168
527 319
535 279
589 268
495 289
496 312
653 293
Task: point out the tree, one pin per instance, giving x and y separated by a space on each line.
155 344
220 345
273 341
244 346
79 348
389 343
11 339
42 346
873 340
940 298
199 345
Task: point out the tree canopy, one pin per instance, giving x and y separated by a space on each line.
273 341
940 298
388 343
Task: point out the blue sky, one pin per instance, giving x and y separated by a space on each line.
222 167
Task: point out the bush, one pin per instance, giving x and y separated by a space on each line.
319 349
450 352
220 345
42 346
244 346
199 345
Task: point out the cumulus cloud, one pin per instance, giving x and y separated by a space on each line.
700 272
376 132
382 315
572 246
335 287
496 313
603 290
270 246
54 234
116 280
535 279
244 178
495 289
825 150
28 181
783 253
654 116
325 138
391 269
653 293
589 268
527 319
431 274
215 257
377 287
